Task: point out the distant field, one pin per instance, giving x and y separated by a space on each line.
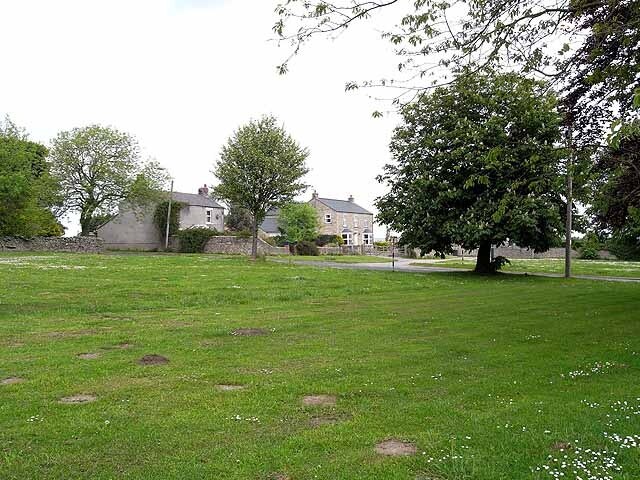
579 267
339 258
211 367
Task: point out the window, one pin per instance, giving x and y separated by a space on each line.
366 224
327 218
348 240
355 221
209 215
344 220
367 238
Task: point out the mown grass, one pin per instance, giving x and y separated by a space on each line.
603 268
475 371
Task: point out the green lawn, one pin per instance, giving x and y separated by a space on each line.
337 258
579 267
488 377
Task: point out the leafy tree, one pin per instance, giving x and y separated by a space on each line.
28 194
597 64
260 167
298 222
99 167
476 164
238 219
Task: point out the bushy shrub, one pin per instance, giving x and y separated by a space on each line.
324 240
244 234
307 248
193 240
498 263
160 217
381 244
589 247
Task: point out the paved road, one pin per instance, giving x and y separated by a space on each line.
404 265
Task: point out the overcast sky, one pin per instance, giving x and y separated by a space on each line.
182 75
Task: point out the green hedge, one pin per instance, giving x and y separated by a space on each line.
193 240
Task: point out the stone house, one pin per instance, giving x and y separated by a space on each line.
136 230
343 218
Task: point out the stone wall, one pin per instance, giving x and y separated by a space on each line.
348 250
237 245
523 253
52 244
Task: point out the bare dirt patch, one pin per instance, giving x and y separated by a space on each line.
88 356
395 448
278 476
153 359
124 346
78 399
11 380
249 332
561 446
319 400
321 420
229 387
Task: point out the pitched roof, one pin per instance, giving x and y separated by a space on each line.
195 200
270 225
344 206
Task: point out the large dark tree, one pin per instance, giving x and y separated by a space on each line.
476 164
260 167
589 48
29 196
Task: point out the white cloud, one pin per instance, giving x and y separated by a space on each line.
181 75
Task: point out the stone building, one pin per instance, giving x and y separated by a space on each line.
344 218
133 230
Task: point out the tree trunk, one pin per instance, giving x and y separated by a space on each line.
483 261
86 220
254 243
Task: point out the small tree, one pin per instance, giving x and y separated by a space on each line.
99 167
477 164
260 167
298 222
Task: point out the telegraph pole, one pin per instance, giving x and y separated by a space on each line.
166 235
569 220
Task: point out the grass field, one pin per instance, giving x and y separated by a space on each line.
602 268
490 378
337 258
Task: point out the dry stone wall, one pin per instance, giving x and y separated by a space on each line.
52 244
242 246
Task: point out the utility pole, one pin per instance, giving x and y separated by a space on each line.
569 220
166 235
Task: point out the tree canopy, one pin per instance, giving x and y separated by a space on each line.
100 167
298 222
476 164
28 194
238 219
260 167
590 49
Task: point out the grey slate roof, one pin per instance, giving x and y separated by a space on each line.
343 206
195 200
270 225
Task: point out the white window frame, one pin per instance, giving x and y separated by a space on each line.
209 216
327 218
344 219
347 238
367 238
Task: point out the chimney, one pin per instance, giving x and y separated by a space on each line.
314 195
204 191
351 199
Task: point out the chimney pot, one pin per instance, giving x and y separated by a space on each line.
351 199
314 195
